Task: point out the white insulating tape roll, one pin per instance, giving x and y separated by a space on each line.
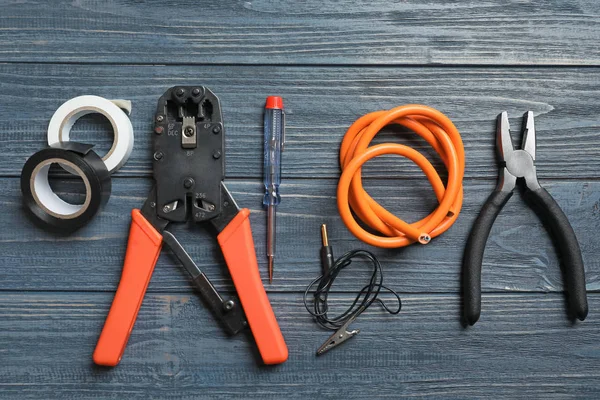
65 117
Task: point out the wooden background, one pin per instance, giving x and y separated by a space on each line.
332 62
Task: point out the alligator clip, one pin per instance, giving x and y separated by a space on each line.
188 167
339 337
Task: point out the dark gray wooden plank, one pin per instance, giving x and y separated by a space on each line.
519 255
321 104
522 347
289 32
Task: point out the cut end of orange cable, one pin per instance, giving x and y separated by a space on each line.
424 238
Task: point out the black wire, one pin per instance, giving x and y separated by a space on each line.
366 296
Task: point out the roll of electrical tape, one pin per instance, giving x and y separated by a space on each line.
67 114
50 211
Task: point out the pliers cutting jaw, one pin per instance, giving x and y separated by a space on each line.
188 170
517 165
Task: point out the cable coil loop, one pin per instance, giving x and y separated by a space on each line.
441 134
365 297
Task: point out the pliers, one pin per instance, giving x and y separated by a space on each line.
513 165
188 170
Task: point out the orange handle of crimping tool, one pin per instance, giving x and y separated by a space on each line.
143 248
238 249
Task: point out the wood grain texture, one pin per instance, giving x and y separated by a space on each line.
332 62
321 104
519 255
522 347
308 32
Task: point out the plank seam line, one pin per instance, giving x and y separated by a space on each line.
257 179
310 65
298 292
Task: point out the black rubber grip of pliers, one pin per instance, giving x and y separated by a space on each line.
564 238
473 256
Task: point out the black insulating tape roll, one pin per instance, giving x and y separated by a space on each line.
47 209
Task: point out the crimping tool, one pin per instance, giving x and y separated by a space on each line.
188 164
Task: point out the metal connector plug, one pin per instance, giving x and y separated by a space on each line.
326 252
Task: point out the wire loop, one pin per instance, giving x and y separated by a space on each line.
366 296
441 134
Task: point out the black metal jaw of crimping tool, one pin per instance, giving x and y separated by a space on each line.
189 171
517 165
188 164
189 177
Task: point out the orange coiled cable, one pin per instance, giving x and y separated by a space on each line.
441 134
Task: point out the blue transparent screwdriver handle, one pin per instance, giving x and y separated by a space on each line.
274 137
273 143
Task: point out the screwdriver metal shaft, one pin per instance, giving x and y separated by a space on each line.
271 215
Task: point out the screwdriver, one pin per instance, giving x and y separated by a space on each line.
274 140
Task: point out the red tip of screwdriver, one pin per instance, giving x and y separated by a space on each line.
274 102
